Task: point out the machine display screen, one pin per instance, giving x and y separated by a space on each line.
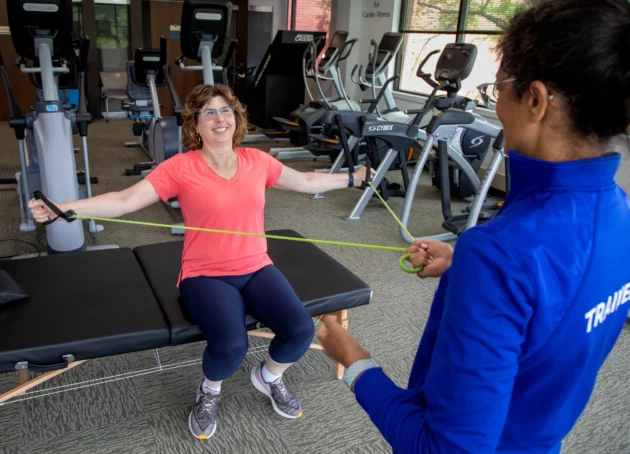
390 42
338 40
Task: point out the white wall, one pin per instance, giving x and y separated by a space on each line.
367 20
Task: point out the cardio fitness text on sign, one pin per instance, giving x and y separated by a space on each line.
376 13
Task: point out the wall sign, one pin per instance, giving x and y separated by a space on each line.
377 9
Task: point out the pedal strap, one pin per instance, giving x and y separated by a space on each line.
68 216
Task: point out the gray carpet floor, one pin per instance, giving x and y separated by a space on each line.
148 414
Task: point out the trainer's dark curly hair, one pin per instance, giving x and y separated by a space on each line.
196 100
580 49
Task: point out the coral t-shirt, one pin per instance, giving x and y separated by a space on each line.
210 201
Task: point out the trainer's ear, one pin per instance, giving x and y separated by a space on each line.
538 98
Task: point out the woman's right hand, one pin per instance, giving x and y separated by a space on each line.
41 213
434 256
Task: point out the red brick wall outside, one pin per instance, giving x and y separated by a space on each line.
312 15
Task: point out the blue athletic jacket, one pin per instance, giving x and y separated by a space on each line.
521 322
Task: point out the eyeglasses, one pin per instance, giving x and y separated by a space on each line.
226 112
491 100
494 97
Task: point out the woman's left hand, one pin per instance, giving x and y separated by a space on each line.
359 176
339 344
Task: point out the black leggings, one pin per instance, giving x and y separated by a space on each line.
218 306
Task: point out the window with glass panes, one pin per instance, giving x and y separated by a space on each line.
309 15
112 28
431 24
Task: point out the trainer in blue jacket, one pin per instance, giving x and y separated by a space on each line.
533 301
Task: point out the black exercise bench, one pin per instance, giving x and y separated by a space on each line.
88 305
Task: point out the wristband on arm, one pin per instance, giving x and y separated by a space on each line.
356 369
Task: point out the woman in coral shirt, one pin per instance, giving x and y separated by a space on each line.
222 186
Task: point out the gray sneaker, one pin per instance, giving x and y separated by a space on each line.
203 417
282 398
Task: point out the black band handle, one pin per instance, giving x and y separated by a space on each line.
34 367
47 367
68 216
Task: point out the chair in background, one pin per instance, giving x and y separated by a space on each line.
114 87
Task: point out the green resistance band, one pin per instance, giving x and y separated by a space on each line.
406 256
401 262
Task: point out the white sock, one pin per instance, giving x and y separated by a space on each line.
211 387
271 370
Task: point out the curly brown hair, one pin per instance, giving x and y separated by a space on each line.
196 100
580 49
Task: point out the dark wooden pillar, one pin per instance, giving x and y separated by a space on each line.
135 25
93 64
24 91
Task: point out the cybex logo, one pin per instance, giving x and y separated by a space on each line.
381 128
303 38
476 142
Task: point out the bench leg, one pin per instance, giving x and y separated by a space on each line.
26 384
23 376
342 316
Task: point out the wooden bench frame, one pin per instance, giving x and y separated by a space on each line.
25 384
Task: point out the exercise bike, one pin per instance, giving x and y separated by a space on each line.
204 27
202 35
45 38
162 135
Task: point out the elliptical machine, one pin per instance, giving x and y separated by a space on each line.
309 118
163 134
350 127
41 31
381 55
472 146
338 51
400 136
313 119
454 120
